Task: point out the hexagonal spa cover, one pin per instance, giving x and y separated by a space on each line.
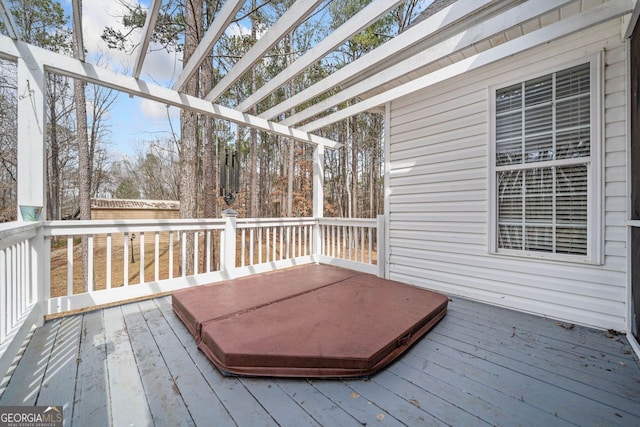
350 327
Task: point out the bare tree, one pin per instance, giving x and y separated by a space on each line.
8 139
189 125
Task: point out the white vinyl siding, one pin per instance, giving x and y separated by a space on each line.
439 200
544 168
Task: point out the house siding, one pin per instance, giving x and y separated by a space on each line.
438 210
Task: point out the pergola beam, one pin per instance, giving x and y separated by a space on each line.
481 31
566 27
437 22
147 32
9 24
287 22
67 66
361 20
227 13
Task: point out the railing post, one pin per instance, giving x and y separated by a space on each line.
318 199
228 243
39 274
381 237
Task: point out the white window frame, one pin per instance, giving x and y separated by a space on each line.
595 170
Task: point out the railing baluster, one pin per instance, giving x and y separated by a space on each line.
108 272
333 241
183 254
208 252
4 308
279 230
156 256
267 243
170 254
196 236
90 263
242 246
251 242
370 259
259 245
125 261
141 256
69 265
11 287
362 245
22 281
287 254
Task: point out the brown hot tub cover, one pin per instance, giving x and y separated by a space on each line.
348 324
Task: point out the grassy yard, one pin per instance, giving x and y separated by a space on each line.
59 264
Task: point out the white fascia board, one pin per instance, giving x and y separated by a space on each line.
216 29
413 35
147 32
361 20
458 42
582 21
9 24
67 66
77 27
633 20
287 22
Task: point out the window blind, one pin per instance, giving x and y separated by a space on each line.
543 146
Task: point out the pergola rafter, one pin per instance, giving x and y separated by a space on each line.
297 13
147 32
223 19
431 54
587 19
64 65
378 56
9 24
358 22
77 25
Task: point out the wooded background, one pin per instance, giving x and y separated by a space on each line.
276 173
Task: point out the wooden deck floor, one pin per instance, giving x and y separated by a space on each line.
137 365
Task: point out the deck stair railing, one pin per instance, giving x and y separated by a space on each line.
41 270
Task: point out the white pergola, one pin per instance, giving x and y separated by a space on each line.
463 36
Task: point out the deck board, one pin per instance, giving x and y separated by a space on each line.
127 399
63 364
536 361
203 404
92 380
165 403
33 364
137 364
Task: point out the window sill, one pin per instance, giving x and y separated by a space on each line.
547 257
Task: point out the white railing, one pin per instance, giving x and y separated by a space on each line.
347 242
41 264
19 295
154 255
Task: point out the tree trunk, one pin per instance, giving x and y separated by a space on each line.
253 151
54 168
84 166
189 130
353 123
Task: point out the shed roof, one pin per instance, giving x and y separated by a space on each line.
134 204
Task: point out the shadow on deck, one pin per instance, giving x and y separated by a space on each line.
137 364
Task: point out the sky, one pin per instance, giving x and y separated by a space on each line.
132 120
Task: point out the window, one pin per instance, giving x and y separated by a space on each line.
543 168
